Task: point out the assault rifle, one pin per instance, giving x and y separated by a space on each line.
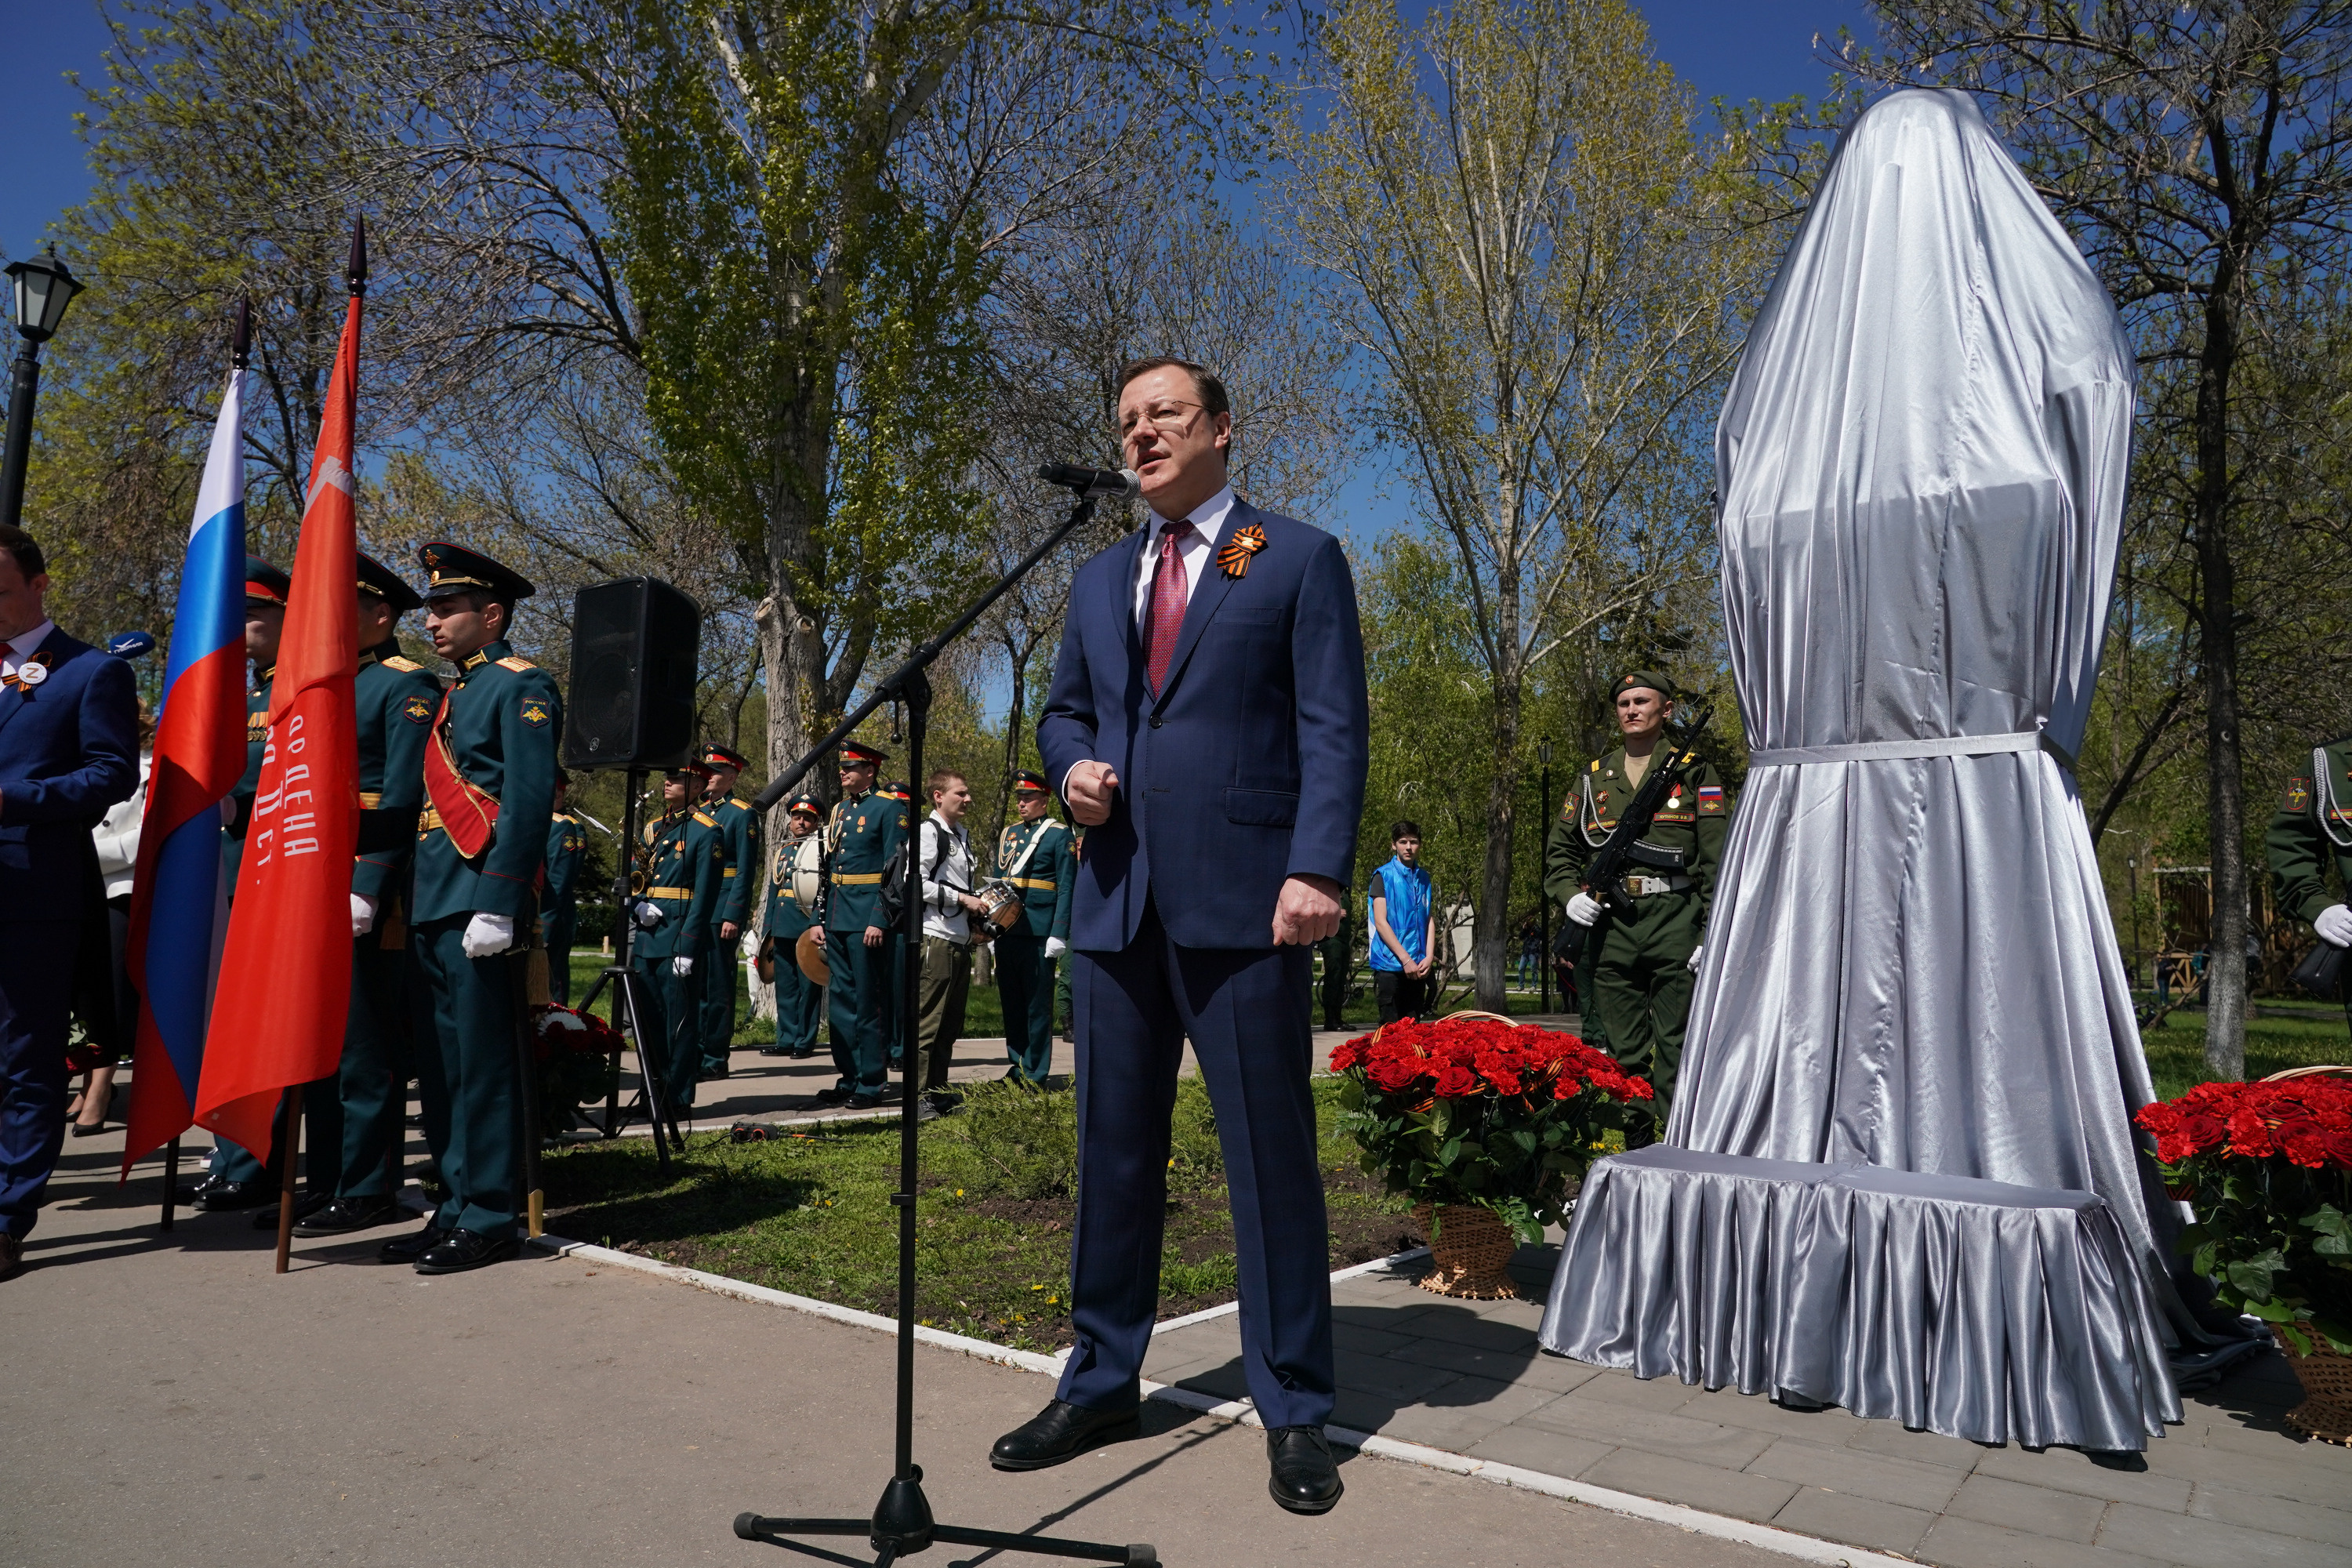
1604 875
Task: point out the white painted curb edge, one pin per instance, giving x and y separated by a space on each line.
1787 1543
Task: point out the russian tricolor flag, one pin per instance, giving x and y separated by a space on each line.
179 899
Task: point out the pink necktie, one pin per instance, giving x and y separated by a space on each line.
1165 618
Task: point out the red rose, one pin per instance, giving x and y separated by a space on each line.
1456 1081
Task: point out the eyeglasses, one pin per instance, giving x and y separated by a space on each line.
1164 417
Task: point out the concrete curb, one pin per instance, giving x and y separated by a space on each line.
1783 1542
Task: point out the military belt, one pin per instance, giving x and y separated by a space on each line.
427 820
857 879
1045 884
669 893
371 799
1638 887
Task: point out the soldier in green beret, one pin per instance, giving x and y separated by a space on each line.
865 829
800 1001
1634 984
558 921
481 848
2311 829
680 878
395 699
739 828
1034 855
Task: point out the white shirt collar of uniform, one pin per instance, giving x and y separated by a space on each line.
23 645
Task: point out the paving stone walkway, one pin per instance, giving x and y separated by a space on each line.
2231 1487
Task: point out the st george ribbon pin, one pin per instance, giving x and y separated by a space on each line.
32 673
1233 560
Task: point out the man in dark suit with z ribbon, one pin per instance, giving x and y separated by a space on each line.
68 749
1208 723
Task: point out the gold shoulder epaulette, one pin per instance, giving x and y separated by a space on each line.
401 663
515 661
705 818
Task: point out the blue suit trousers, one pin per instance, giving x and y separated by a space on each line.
1246 1011
35 983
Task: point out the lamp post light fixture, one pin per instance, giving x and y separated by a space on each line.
44 288
1543 900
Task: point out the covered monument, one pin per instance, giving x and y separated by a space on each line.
1901 1175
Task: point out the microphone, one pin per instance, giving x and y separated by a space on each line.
1122 484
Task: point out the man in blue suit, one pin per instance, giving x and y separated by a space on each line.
68 749
1209 725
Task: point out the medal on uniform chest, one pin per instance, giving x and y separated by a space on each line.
1234 559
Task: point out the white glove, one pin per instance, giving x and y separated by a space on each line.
1693 957
2334 925
1583 909
362 913
681 966
649 913
487 935
1055 947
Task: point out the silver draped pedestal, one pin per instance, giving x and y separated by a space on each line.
1909 965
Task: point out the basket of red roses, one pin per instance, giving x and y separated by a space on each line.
2267 1169
1482 1122
579 1057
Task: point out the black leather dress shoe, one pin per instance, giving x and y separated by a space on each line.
343 1215
230 1196
1062 1431
802 1055
863 1102
1304 1479
305 1206
773 1051
827 1096
462 1249
413 1245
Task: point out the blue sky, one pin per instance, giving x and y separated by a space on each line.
1762 48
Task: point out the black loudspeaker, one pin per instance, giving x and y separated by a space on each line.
634 644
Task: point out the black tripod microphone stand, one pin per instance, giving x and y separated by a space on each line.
902 1523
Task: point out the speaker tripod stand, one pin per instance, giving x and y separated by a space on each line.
629 1008
902 1523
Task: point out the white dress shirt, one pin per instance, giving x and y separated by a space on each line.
19 649
1196 551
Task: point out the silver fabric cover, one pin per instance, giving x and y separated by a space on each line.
1921 464
1979 1310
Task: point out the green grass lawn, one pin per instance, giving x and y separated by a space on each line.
2176 1050
810 1211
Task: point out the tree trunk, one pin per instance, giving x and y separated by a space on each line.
1490 946
2225 965
791 642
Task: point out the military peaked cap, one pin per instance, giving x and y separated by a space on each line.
804 801
266 583
381 581
719 756
859 751
1026 780
453 569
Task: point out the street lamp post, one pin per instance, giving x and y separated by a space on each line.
1543 899
44 289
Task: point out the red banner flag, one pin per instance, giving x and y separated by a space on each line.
285 987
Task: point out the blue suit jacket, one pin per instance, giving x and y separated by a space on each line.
1250 766
68 749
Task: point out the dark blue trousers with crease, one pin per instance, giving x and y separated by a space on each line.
1247 1012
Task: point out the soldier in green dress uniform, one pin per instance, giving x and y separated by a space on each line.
739 826
682 860
481 850
558 922
866 827
1633 985
2312 828
800 1001
395 699
1034 855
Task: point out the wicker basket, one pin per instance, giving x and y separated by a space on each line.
1473 1252
2326 1412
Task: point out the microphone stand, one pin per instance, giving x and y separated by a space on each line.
902 1523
